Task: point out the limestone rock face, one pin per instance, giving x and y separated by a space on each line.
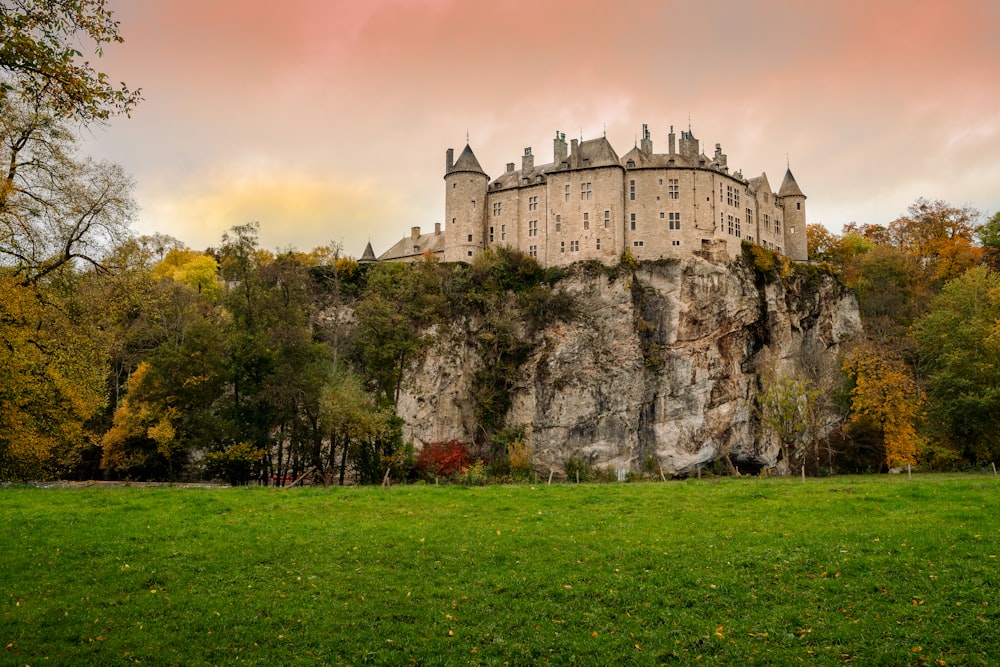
659 366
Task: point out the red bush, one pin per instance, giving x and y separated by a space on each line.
443 459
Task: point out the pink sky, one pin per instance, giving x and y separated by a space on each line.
328 120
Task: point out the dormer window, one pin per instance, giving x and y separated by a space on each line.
630 164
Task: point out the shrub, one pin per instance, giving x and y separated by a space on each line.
578 470
443 459
237 465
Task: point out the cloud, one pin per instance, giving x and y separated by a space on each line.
301 209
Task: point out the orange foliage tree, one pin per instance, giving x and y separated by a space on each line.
886 395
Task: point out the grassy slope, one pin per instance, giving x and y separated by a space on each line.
875 571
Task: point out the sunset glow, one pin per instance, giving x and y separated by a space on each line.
328 120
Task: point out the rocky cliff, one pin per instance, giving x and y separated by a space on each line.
658 364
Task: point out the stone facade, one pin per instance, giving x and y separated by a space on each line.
591 204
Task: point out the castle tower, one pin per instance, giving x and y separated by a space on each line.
464 206
796 247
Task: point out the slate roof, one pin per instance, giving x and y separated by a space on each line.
789 187
467 162
414 248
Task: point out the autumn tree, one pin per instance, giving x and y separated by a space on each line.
56 208
884 396
52 377
41 57
959 343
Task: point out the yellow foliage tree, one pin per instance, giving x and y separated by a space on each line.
51 381
142 437
885 393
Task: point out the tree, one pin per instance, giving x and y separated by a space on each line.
886 396
941 236
787 407
356 425
55 208
40 58
52 375
989 237
959 344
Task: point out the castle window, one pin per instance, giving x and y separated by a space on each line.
767 221
532 228
562 246
469 253
567 192
574 246
631 190
729 195
675 242
533 250
470 238
661 215
730 227
675 220
630 164
532 203
798 206
491 235
454 185
791 230
607 219
737 226
749 238
673 189
558 222
638 244
586 221
503 232
473 203
777 226
631 219
736 197
661 182
453 220
416 249
497 207
598 244
585 190
749 217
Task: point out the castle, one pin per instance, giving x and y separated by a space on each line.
591 204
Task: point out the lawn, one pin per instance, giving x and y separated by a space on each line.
877 570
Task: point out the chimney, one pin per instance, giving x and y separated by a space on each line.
510 167
414 233
527 162
437 229
574 157
647 142
672 141
559 148
449 160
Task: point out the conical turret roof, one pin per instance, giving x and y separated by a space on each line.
368 255
467 162
789 187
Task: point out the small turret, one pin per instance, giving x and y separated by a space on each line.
796 246
465 185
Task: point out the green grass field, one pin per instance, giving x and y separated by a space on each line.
831 571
